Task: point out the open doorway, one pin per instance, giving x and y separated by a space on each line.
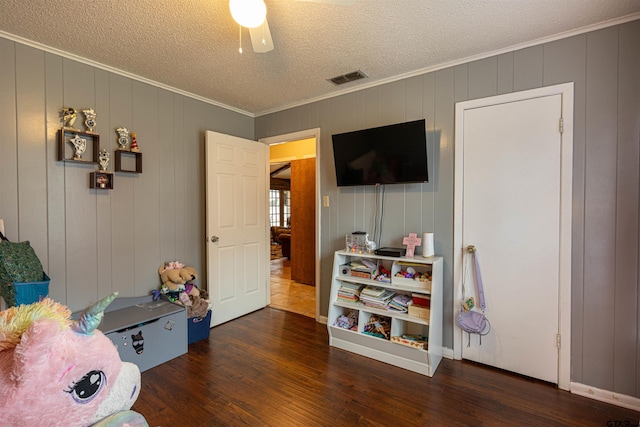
293 222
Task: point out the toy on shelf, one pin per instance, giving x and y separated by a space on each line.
358 242
177 285
63 372
378 326
69 115
134 142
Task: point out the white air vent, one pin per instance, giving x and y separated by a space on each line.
349 77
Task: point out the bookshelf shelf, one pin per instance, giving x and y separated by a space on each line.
393 348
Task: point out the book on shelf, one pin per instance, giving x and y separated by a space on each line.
351 287
373 291
400 302
380 301
349 292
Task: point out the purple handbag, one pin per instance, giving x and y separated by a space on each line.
474 322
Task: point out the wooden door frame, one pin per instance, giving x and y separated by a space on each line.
566 178
289 137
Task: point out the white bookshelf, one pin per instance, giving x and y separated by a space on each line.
418 360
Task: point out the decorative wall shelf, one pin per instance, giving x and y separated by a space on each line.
101 180
66 151
128 154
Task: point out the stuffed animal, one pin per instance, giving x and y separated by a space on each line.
59 372
174 275
177 284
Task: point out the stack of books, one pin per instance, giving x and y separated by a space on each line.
349 292
374 296
400 303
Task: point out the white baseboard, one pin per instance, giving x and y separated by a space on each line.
606 396
447 353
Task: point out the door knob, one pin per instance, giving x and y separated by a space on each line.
214 239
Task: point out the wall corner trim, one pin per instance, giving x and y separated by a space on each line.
606 396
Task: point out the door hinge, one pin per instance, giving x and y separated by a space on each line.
561 125
558 340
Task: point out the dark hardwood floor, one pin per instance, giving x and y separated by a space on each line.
275 368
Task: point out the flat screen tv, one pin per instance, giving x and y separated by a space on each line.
391 154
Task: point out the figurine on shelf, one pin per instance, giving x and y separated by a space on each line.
134 142
123 137
102 181
104 160
90 119
69 115
79 146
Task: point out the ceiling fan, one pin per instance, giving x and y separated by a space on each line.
253 15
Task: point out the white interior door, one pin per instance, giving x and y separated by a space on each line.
512 206
237 259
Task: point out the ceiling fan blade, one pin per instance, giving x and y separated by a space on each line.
261 38
339 2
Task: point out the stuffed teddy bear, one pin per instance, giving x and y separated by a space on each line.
177 284
174 275
61 372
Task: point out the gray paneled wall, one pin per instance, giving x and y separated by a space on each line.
92 242
605 67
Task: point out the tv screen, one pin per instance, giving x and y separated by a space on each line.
391 154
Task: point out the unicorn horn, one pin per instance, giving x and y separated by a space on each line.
92 315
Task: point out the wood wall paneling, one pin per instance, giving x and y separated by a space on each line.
505 73
446 82
179 164
123 198
433 141
31 153
328 216
8 142
146 191
303 221
55 265
104 218
626 363
373 103
167 142
81 220
393 107
193 194
413 99
528 68
600 203
565 61
483 79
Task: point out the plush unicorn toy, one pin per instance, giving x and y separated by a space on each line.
59 372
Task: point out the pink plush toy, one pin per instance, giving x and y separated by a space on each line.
57 372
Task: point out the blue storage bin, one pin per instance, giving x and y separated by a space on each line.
30 292
198 328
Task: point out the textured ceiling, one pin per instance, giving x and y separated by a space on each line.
192 45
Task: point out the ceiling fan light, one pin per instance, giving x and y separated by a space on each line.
248 13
